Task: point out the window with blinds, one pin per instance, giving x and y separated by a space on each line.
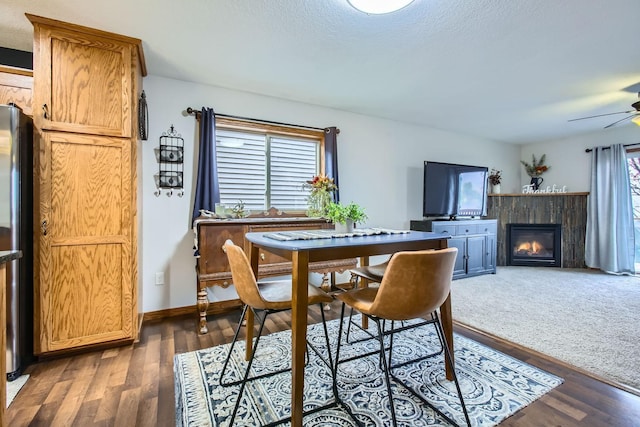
266 169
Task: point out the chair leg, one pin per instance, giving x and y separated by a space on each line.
449 360
349 324
391 334
233 343
335 366
329 363
326 337
385 368
246 373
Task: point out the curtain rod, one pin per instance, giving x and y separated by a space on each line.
196 113
588 150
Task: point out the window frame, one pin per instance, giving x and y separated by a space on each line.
234 124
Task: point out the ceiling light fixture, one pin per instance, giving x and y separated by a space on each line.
378 7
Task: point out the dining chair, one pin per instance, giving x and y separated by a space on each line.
372 273
264 298
414 285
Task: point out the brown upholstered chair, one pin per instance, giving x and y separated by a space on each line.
413 286
263 299
373 273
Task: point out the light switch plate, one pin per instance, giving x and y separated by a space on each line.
160 278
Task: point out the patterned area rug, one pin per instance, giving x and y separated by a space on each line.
494 385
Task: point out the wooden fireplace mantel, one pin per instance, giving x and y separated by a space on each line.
538 194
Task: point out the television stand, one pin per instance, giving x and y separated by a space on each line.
475 239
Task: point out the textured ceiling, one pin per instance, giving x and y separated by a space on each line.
505 70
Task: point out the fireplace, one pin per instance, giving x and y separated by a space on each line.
534 245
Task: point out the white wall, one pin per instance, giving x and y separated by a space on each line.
380 164
569 164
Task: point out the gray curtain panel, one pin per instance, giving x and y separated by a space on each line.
610 233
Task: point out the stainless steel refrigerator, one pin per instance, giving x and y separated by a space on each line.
16 232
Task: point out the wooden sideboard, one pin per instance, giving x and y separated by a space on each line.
475 240
212 267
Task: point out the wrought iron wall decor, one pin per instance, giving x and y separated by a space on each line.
170 156
143 118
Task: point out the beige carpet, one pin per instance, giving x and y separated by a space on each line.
586 318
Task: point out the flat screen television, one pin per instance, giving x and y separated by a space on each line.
453 191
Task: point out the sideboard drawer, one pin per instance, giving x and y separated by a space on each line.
210 245
466 229
488 227
443 228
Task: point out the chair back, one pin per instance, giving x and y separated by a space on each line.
243 278
415 284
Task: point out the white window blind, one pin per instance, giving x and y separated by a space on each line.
265 170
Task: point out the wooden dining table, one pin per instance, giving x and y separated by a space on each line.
301 253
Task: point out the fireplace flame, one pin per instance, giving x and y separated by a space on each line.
529 248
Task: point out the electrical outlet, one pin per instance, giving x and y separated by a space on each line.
160 278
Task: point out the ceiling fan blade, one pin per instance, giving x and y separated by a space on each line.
602 115
621 120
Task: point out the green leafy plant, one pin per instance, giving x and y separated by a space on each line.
239 210
339 213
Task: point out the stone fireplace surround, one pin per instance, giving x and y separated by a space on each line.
567 209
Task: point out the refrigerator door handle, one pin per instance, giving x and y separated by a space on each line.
44 227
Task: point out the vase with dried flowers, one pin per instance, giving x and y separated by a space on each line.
535 169
320 195
495 178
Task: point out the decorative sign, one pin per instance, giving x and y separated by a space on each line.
528 189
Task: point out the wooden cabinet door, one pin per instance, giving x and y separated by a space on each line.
85 271
476 256
16 86
460 266
84 82
490 261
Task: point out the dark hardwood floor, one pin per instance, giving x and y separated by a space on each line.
133 386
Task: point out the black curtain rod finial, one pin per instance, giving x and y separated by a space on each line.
193 111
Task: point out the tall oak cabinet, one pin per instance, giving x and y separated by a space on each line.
85 91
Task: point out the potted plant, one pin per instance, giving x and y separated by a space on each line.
345 215
495 178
